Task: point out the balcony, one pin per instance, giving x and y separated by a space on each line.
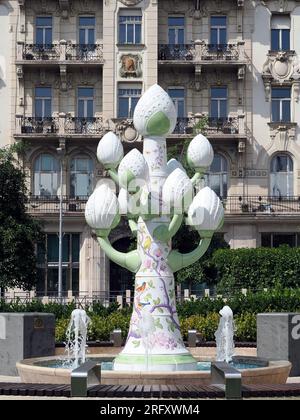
246 206
232 127
202 53
180 52
32 52
59 53
41 126
261 205
90 126
41 205
62 125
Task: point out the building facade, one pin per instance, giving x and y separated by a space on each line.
72 70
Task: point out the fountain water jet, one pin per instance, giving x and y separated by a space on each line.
224 336
77 337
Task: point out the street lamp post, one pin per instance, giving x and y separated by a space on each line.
60 152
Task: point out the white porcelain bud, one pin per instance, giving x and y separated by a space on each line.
110 151
102 209
133 167
200 153
155 113
177 191
213 211
174 164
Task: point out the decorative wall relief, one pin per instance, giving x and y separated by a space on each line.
281 67
131 65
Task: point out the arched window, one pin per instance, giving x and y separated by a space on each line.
46 171
81 173
282 182
217 177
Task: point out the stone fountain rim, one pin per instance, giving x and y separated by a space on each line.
29 366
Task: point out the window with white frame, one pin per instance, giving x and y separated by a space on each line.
43 35
280 32
81 176
282 176
87 30
128 96
218 102
176 30
130 26
281 104
46 180
178 96
43 102
217 176
85 102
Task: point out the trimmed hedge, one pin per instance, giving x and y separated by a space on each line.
100 328
256 268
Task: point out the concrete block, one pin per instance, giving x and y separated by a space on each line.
278 338
25 335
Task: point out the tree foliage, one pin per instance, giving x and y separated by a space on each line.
18 231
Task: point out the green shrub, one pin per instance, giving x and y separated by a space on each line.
205 325
245 327
256 268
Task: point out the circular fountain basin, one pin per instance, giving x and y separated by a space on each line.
254 371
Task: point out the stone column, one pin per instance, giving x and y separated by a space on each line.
94 270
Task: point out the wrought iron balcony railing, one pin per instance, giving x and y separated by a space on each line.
77 125
60 125
183 52
254 205
36 125
88 52
226 126
46 204
41 52
201 52
234 205
60 52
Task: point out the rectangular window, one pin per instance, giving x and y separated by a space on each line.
87 30
178 96
43 34
127 99
85 102
281 104
176 30
48 264
43 102
218 102
280 32
130 27
218 31
274 240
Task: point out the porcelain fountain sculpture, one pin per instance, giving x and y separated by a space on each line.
157 196
224 336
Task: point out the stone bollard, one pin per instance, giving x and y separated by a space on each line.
192 338
128 297
206 292
120 301
116 338
186 294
